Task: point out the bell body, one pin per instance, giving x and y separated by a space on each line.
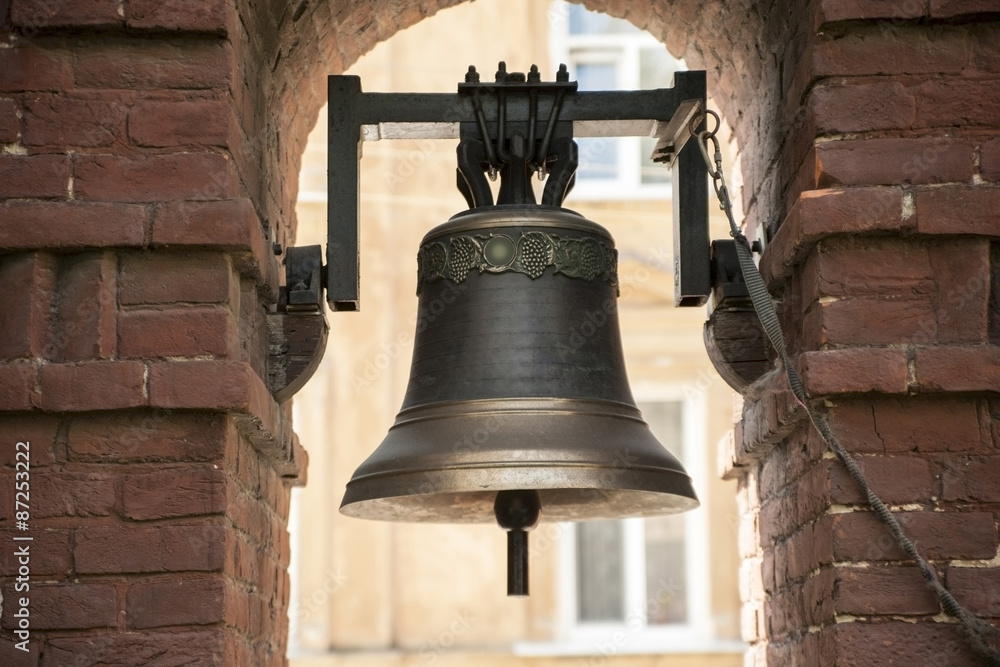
518 382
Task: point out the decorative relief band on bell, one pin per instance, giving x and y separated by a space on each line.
585 258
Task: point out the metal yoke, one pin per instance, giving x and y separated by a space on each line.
516 126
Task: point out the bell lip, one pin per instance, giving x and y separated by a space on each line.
514 215
639 493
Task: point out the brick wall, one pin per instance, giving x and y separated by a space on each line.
150 153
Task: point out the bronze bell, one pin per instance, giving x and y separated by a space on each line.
518 384
518 406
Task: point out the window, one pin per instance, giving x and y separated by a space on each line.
605 53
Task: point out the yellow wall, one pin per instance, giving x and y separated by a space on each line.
370 590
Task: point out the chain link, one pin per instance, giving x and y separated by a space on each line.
978 632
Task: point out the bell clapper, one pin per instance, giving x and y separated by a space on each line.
517 512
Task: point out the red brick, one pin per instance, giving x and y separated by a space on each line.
51 120
150 178
165 277
860 536
174 547
59 494
903 51
886 322
230 223
188 601
178 332
871 267
122 649
38 431
153 64
95 385
952 8
200 15
989 160
30 67
30 280
49 552
10 124
961 270
83 319
854 107
972 478
159 435
206 385
932 424
28 16
958 368
831 11
895 479
192 122
821 213
855 370
894 161
899 644
66 606
956 103
808 550
34 176
70 225
18 387
959 210
174 492
976 588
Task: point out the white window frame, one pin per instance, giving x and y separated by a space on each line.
633 635
622 49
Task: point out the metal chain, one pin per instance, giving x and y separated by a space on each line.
977 631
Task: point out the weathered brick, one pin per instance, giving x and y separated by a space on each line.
989 160
831 11
956 103
28 16
151 64
894 161
959 210
192 122
219 385
18 386
36 176
174 492
51 120
71 225
895 479
957 368
953 8
861 107
200 15
10 124
887 322
95 385
31 67
66 606
901 51
38 431
159 435
860 644
926 424
58 494
49 552
860 536
84 313
187 601
972 478
120 549
166 277
855 370
124 649
177 332
26 302
977 588
229 223
151 178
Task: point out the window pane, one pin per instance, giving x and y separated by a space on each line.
600 571
666 564
584 22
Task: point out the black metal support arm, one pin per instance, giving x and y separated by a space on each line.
549 112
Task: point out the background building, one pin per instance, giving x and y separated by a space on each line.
639 588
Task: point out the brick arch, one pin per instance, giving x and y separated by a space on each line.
741 49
